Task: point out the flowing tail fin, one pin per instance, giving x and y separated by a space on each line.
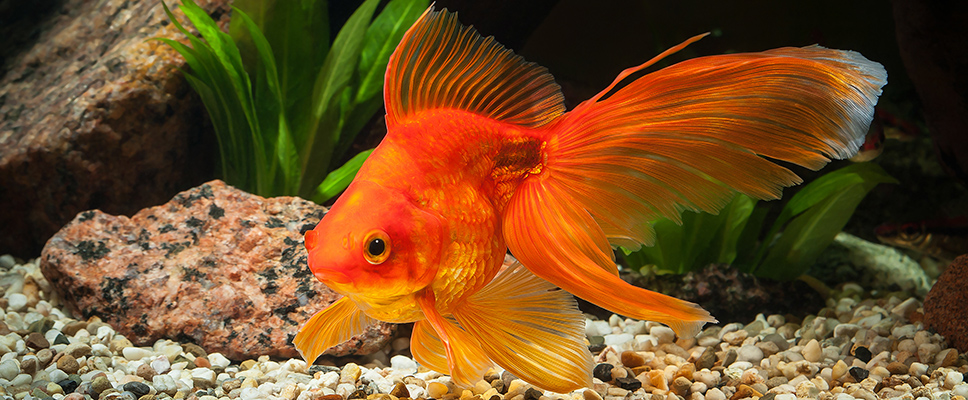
686 137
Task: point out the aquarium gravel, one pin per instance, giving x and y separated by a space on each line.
853 349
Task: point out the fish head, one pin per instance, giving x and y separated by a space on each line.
375 245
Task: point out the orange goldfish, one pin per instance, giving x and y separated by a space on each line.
481 158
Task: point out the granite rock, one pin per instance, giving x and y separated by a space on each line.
946 305
93 114
216 266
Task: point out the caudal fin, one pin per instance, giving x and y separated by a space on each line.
686 137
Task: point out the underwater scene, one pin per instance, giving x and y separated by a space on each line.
488 200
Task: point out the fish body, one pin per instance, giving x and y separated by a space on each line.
481 158
943 239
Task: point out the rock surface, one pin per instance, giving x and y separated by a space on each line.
946 306
94 115
216 266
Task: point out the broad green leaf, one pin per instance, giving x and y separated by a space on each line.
814 216
340 178
381 39
722 248
333 78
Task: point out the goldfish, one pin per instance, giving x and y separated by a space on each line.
481 158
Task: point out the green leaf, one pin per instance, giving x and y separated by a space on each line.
298 33
381 39
332 80
340 178
735 216
814 216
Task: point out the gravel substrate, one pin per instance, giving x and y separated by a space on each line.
853 349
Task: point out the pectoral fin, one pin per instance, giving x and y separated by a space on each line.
331 326
530 328
466 361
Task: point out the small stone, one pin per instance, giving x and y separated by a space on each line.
628 383
145 372
858 373
100 384
897 368
744 391
44 356
41 326
118 344
838 370
400 390
71 328
436 390
632 359
589 394
663 334
194 349
862 353
68 364
78 350
139 389
947 357
36 340
9 369
776 381
730 357
707 359
680 386
202 362
17 302
812 351
749 353
715 394
603 372
28 365
68 385
136 353
533 394
350 373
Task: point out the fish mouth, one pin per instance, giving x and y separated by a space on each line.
327 275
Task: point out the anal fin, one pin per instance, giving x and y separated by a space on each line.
466 361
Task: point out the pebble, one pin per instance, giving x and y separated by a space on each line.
856 348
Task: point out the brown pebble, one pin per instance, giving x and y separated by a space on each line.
44 356
707 359
947 357
331 397
68 364
897 368
36 340
400 390
147 397
744 391
685 371
202 362
680 386
632 359
4 330
29 365
776 381
146 372
72 327
194 349
247 364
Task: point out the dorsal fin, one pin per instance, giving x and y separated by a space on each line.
441 64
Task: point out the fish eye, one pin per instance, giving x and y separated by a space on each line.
376 248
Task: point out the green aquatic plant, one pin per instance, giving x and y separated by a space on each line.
804 227
285 102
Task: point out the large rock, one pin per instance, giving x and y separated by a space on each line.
216 266
946 306
94 115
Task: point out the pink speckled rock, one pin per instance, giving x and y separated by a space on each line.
215 266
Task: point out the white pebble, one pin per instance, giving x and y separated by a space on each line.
960 390
786 396
663 334
99 349
9 369
160 364
716 394
597 328
952 379
617 340
17 302
218 360
404 364
56 375
749 353
843 396
812 352
136 353
204 374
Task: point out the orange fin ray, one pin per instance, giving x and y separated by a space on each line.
427 349
329 327
549 232
466 360
687 137
520 319
441 64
